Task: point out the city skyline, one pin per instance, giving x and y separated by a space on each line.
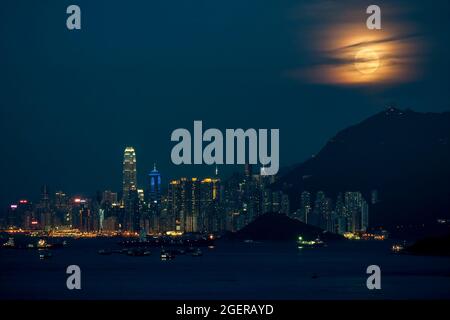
188 205
214 156
247 199
231 66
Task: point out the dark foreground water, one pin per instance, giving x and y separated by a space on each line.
229 271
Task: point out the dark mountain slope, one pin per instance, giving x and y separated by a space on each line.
405 155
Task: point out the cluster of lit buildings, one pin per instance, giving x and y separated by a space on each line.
349 213
186 205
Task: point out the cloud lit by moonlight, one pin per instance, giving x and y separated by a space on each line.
347 53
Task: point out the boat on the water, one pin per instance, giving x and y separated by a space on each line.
317 243
397 248
165 255
10 243
44 254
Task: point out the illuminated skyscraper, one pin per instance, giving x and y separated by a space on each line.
183 204
154 198
267 201
364 216
285 207
132 217
141 195
210 218
81 215
320 211
175 216
341 215
155 187
109 198
305 207
129 172
358 211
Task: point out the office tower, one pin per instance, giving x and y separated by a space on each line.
250 196
285 205
108 198
154 199
45 197
305 207
174 217
353 206
12 216
107 204
211 218
328 216
24 214
358 211
19 215
341 215
322 214
340 205
44 213
129 172
364 216
267 201
316 217
193 205
276 201
62 209
155 186
61 200
232 201
81 215
141 195
132 219
180 204
165 222
117 211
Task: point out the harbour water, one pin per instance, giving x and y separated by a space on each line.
230 270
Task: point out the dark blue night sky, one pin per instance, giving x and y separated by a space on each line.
70 101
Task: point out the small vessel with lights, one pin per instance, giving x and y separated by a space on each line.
303 243
44 254
10 243
397 248
165 255
42 244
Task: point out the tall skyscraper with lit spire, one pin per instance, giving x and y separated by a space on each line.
129 172
155 198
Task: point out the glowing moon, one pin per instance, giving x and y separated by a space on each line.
367 61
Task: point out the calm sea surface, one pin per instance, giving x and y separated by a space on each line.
228 271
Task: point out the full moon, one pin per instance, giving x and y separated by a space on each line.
367 61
